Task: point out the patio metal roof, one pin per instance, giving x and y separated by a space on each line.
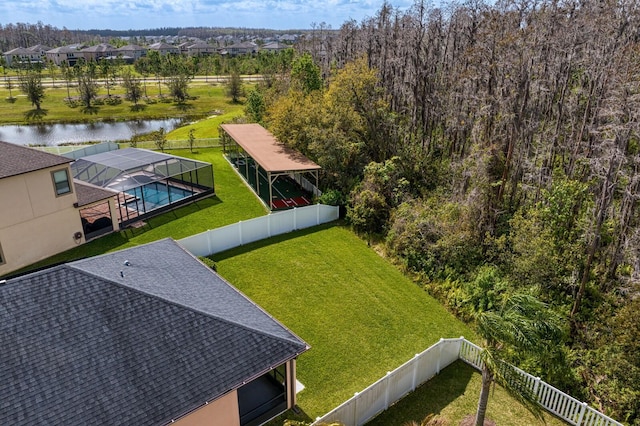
128 168
265 149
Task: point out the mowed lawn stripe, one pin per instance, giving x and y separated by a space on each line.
361 315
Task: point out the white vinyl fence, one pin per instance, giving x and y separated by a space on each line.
244 232
365 405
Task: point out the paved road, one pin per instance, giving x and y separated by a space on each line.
198 80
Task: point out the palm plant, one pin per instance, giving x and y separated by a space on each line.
523 325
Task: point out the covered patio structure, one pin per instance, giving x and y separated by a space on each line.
282 177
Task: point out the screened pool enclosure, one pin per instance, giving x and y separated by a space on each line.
147 182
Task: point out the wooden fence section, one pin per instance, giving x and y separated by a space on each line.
245 232
365 405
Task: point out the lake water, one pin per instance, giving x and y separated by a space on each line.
56 134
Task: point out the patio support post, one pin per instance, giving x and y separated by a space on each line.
317 191
270 191
113 214
246 165
257 166
290 384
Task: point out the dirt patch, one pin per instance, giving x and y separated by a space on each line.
470 420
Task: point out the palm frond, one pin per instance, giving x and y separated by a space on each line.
515 384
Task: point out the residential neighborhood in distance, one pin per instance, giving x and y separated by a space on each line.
70 54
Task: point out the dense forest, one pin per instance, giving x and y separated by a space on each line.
490 148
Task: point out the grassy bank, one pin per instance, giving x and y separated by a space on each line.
209 99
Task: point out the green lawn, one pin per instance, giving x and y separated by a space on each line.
452 395
209 100
360 315
233 202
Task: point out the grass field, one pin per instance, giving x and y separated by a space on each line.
360 315
209 100
362 318
233 202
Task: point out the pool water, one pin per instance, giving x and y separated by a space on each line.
154 195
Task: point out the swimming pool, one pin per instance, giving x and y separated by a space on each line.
154 195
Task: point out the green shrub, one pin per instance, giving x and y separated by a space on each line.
332 197
435 238
209 262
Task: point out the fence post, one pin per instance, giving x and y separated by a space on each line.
583 410
415 372
318 214
269 225
386 391
355 409
240 231
295 219
440 343
536 386
209 249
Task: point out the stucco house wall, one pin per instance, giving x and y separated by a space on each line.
223 411
36 223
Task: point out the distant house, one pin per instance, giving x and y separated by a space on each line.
21 56
43 209
40 49
200 48
98 52
164 48
274 46
131 53
244 48
143 336
65 54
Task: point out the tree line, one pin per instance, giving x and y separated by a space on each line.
22 34
492 149
173 72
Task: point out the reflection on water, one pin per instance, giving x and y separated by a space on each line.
56 134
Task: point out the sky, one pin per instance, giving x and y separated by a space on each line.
149 14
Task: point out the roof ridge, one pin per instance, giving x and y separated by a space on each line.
174 303
294 337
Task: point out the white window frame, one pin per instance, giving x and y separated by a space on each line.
55 182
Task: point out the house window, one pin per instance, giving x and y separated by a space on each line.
61 182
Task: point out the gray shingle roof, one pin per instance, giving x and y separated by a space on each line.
16 159
80 348
88 193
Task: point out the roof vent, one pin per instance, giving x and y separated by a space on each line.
122 274
127 263
3 282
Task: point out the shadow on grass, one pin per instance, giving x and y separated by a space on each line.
93 110
116 240
137 108
269 241
181 212
35 114
296 414
432 397
184 107
92 248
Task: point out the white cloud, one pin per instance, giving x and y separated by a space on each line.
125 14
